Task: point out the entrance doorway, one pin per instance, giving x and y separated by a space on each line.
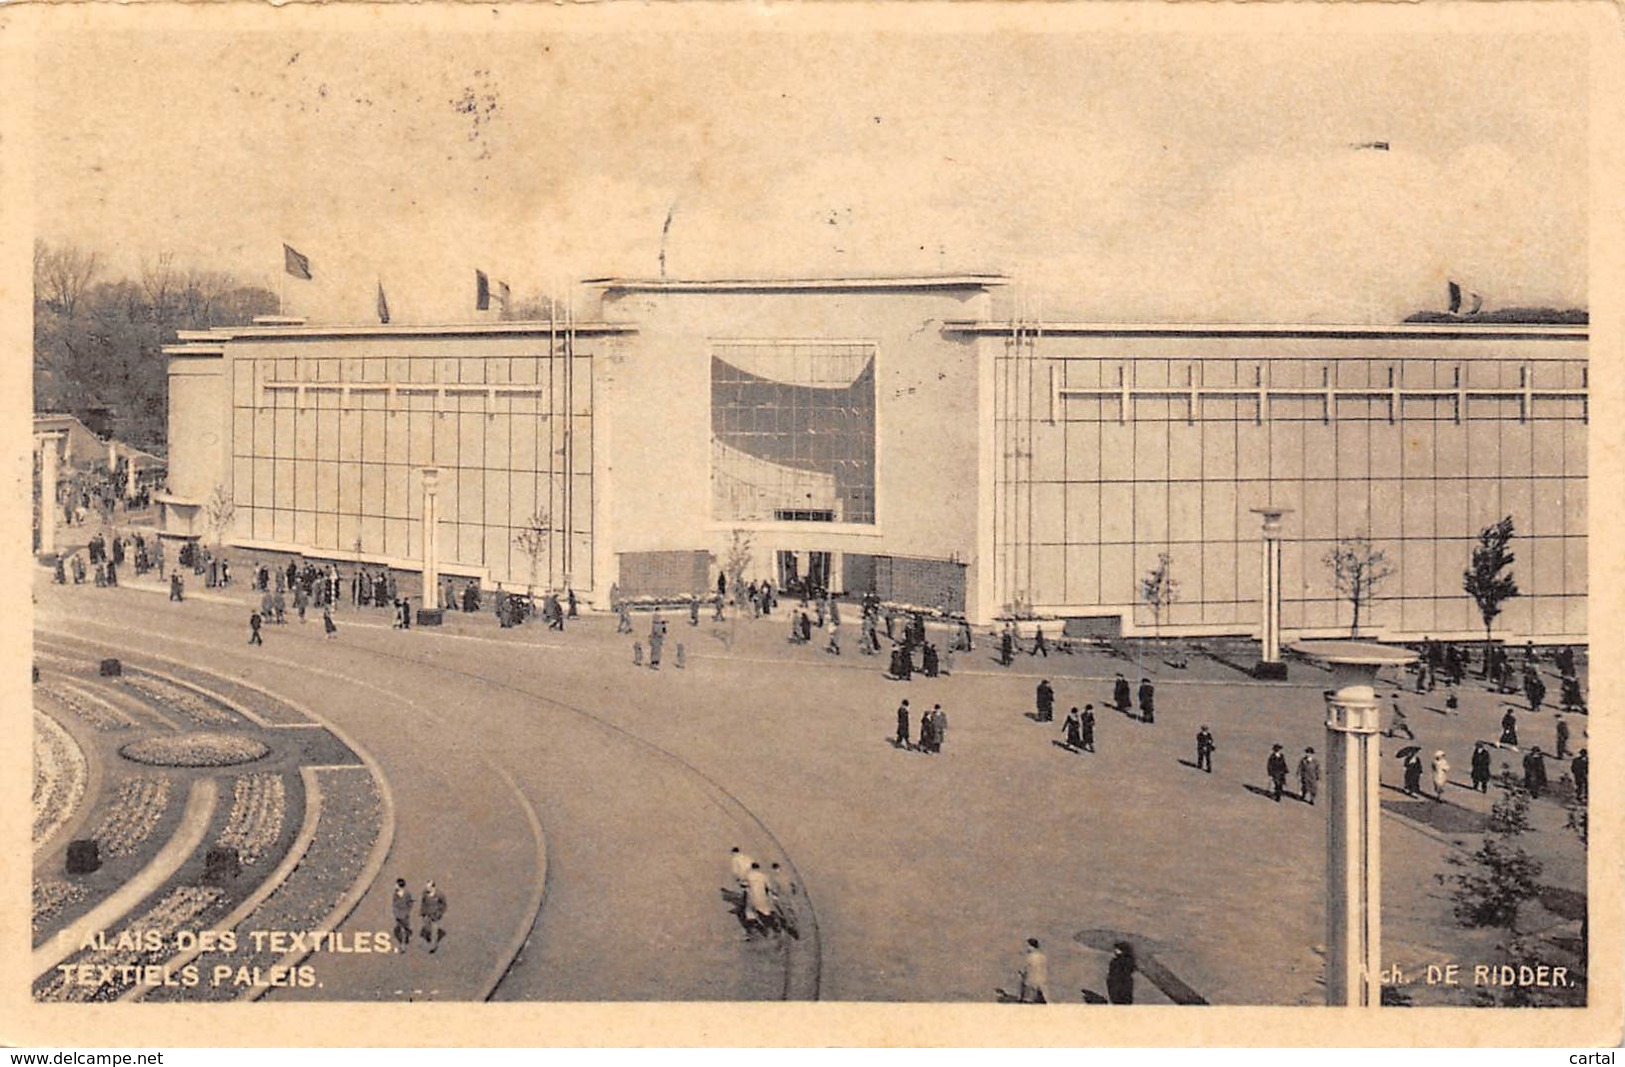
799 571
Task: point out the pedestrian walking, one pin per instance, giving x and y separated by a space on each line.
759 914
432 906
903 713
939 728
1581 770
1120 694
400 905
1074 730
1007 645
1562 738
928 734
1481 767
1441 774
1534 772
657 640
1040 646
1086 728
1046 701
1413 773
329 628
254 622
1204 749
1398 725
1034 985
177 588
1308 776
1509 729
1534 688
1120 974
1276 768
1147 701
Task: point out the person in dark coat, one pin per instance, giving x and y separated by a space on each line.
1481 767
657 640
254 621
1534 772
902 725
177 590
1040 646
61 575
1120 693
1562 738
1509 728
1086 728
1534 689
1148 711
1046 701
931 666
570 599
1277 770
1120 974
928 732
1204 749
1074 729
1007 648
1413 773
1581 769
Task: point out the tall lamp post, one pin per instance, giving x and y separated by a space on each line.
1269 663
1353 812
431 547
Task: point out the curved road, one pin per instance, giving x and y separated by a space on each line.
637 839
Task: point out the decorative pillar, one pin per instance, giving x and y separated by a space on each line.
129 475
48 506
431 547
1353 819
1269 587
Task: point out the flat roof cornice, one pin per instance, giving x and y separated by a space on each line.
1450 330
221 334
779 285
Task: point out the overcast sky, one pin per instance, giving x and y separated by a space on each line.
1114 176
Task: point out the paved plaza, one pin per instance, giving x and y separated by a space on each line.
578 811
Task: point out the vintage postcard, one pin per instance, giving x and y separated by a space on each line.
620 524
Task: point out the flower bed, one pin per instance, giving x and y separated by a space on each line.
184 908
196 750
258 807
59 777
264 705
199 709
140 803
51 896
351 820
93 710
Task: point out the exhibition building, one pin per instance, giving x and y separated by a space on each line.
907 436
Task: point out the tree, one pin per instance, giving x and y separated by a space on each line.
1358 569
62 276
1159 590
737 561
534 541
218 512
1485 581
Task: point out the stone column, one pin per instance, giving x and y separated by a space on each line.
48 506
1269 589
1353 820
431 547
129 475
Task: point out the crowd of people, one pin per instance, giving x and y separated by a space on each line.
763 899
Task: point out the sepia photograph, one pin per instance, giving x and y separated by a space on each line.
587 508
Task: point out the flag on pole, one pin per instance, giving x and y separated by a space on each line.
383 305
482 291
295 262
1455 298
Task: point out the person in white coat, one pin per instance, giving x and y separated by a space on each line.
1441 774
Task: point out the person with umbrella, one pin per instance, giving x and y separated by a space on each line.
1412 757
